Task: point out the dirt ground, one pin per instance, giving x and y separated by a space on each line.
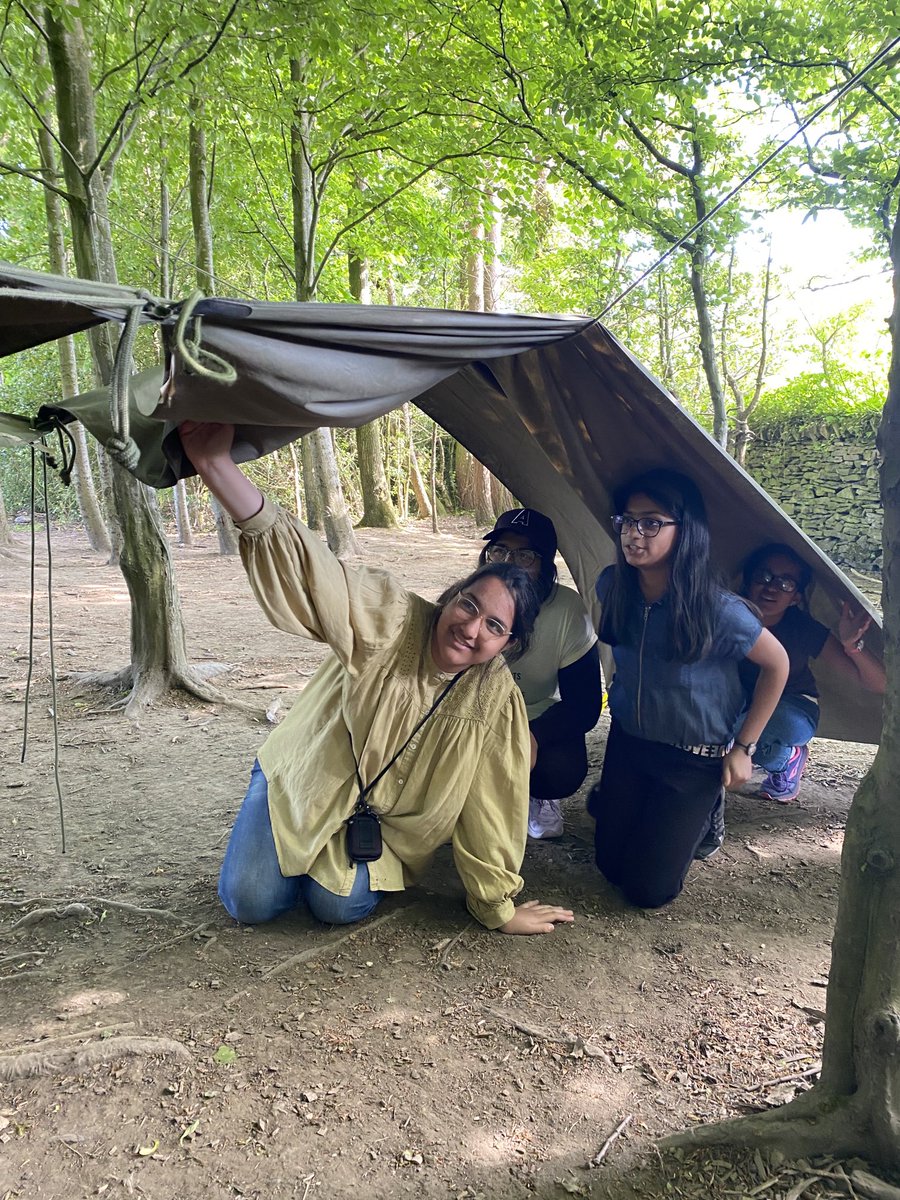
159 1049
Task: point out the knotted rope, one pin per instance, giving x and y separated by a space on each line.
121 446
192 352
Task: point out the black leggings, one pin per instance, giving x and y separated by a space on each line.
652 807
560 769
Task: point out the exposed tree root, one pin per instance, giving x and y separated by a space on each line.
136 695
813 1124
72 908
80 1058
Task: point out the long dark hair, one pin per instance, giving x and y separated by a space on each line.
694 589
548 576
525 598
754 561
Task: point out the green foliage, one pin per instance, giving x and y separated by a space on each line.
857 399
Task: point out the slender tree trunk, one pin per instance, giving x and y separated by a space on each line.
296 479
492 259
82 477
182 515
318 452
6 537
158 655
434 503
423 503
311 486
205 270
378 510
483 505
708 347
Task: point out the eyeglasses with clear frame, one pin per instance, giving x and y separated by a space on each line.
646 526
784 583
521 557
470 610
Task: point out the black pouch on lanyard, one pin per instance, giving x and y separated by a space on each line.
363 836
363 827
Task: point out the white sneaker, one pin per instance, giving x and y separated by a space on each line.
545 819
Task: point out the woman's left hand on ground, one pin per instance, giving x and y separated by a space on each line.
853 624
737 768
534 917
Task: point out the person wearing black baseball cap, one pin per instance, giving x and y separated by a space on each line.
559 675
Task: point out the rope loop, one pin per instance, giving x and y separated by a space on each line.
124 451
192 353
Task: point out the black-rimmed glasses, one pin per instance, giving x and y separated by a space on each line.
521 557
646 526
784 583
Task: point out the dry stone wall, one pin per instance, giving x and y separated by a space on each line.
824 474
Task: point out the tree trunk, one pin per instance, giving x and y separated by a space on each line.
319 462
492 258
708 346
296 479
378 509
434 503
205 274
481 477
423 503
6 537
158 655
335 515
82 477
182 515
854 1108
311 486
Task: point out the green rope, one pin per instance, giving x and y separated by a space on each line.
121 446
192 352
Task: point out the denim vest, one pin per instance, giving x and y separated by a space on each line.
681 703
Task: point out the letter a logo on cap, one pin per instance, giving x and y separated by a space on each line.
521 517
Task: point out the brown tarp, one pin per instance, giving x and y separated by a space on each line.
557 409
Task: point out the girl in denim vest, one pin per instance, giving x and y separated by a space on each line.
678 736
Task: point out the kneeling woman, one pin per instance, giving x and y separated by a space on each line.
411 733
678 736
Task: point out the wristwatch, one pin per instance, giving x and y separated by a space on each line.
750 747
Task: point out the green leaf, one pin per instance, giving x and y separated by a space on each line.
225 1055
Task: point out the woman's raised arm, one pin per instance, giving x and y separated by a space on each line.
208 446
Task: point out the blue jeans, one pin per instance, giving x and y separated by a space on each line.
251 885
793 723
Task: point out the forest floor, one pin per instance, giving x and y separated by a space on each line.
415 1055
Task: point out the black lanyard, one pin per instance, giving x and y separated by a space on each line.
361 805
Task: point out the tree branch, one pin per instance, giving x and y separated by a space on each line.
9 169
661 158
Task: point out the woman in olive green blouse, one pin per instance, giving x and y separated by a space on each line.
417 688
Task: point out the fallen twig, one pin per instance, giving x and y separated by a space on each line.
813 1070
181 937
604 1149
6 959
322 947
573 1040
451 942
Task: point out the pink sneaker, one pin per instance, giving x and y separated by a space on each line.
784 786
